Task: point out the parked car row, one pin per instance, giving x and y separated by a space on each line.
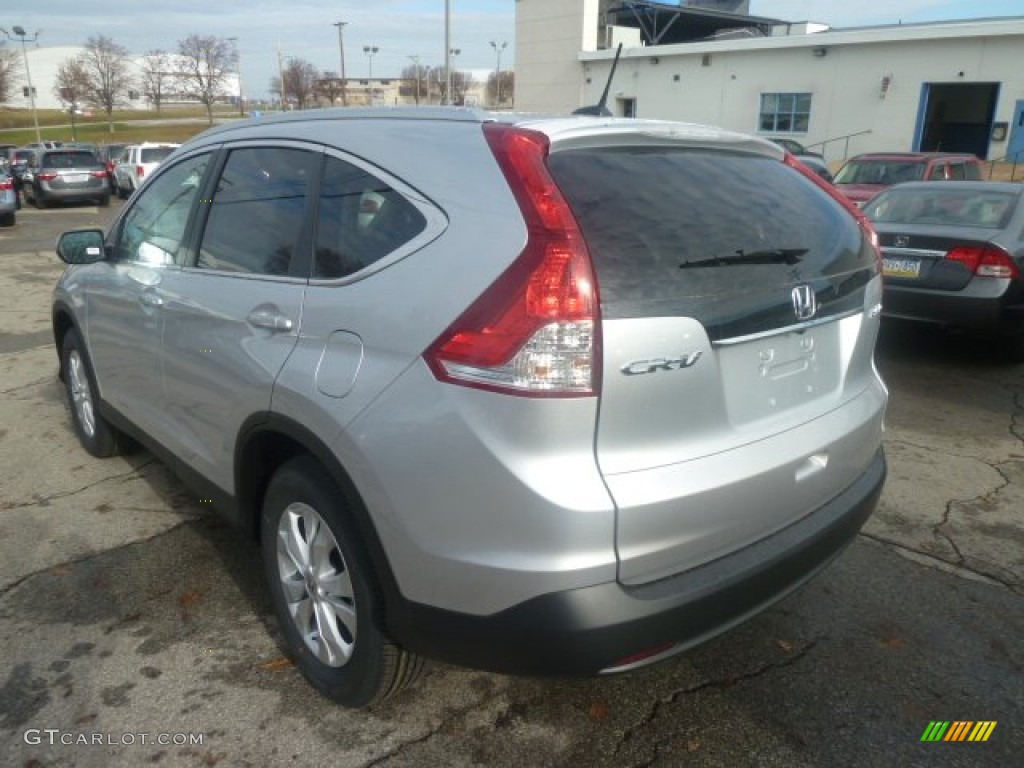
52 172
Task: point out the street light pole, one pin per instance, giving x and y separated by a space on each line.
497 70
452 52
20 33
370 51
341 50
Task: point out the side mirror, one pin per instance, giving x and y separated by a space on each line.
81 246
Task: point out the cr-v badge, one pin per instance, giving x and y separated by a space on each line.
655 364
805 303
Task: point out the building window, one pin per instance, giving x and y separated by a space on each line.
785 112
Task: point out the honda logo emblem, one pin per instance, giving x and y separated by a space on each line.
901 241
805 303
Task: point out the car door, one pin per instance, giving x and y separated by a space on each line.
232 317
125 298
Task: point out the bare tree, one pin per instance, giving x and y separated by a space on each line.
72 87
106 64
501 86
10 68
300 79
159 77
206 62
415 82
328 87
461 83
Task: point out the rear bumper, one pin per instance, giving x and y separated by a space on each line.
991 305
73 195
593 629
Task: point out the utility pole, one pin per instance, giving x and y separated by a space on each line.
280 73
341 50
238 62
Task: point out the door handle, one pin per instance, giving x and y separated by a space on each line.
270 320
150 299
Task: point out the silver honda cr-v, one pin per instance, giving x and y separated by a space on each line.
546 396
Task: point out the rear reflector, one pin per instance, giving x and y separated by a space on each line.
533 331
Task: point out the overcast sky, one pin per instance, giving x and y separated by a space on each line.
398 28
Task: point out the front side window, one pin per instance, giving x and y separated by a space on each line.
153 230
257 212
785 112
361 220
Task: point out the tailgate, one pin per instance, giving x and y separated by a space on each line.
737 346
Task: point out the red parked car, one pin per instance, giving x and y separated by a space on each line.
864 176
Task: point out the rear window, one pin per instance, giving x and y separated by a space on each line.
155 154
943 205
880 172
723 237
68 159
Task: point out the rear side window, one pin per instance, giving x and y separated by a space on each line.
258 210
956 171
972 171
714 235
155 154
361 219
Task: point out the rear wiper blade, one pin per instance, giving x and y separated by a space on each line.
788 256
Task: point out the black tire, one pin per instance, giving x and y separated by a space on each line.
104 201
8 220
96 434
38 200
369 667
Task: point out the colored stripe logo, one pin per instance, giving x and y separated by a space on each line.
958 730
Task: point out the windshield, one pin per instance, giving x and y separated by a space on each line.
880 172
939 205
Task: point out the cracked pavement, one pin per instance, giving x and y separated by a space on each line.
125 608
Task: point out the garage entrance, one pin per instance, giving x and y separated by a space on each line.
956 117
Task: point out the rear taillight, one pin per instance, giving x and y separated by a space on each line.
48 176
140 171
6 184
843 200
98 174
985 261
534 331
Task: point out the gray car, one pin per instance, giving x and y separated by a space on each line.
542 396
954 256
65 175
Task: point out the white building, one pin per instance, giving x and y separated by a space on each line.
955 86
43 64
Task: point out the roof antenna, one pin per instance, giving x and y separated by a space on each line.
599 109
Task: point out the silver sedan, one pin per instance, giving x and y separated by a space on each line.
954 256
